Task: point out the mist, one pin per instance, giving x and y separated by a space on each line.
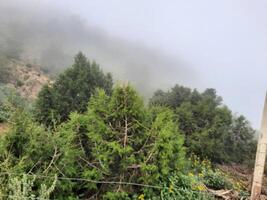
50 37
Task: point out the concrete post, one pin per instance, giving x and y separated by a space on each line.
260 157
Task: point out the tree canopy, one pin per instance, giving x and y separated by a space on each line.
71 91
107 144
210 128
117 139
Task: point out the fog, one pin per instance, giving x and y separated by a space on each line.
51 37
153 43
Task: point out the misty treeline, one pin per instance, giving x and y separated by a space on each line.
49 38
86 138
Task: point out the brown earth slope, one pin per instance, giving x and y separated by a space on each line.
26 78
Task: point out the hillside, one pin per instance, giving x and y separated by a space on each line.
21 79
26 78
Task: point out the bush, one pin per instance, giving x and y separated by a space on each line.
5 69
23 188
25 148
10 100
210 176
183 187
216 180
19 83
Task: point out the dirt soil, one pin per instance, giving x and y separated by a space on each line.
27 78
244 175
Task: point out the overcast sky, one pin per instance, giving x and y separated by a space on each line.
223 44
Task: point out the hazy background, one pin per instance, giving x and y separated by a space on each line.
152 43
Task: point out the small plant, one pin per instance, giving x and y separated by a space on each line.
26 77
22 188
183 187
216 180
29 65
212 178
10 100
244 195
19 83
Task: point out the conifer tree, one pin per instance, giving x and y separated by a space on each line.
211 131
118 139
71 91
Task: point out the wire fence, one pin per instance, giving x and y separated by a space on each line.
87 180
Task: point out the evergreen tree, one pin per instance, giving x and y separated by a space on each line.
71 91
241 141
119 140
45 105
210 129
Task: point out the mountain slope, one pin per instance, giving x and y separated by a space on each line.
25 77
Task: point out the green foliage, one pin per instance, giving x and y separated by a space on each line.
71 91
216 180
111 146
184 194
19 83
23 189
10 100
173 98
116 195
45 111
241 141
210 176
211 131
5 70
184 187
25 145
118 139
26 148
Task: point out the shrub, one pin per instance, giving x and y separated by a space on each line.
26 148
23 188
125 142
5 69
19 83
10 100
29 65
183 187
216 180
213 178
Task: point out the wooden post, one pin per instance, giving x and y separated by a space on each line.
260 157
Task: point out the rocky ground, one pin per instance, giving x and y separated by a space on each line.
27 78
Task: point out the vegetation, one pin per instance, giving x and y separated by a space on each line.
71 91
211 130
5 70
10 100
117 139
22 189
105 143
